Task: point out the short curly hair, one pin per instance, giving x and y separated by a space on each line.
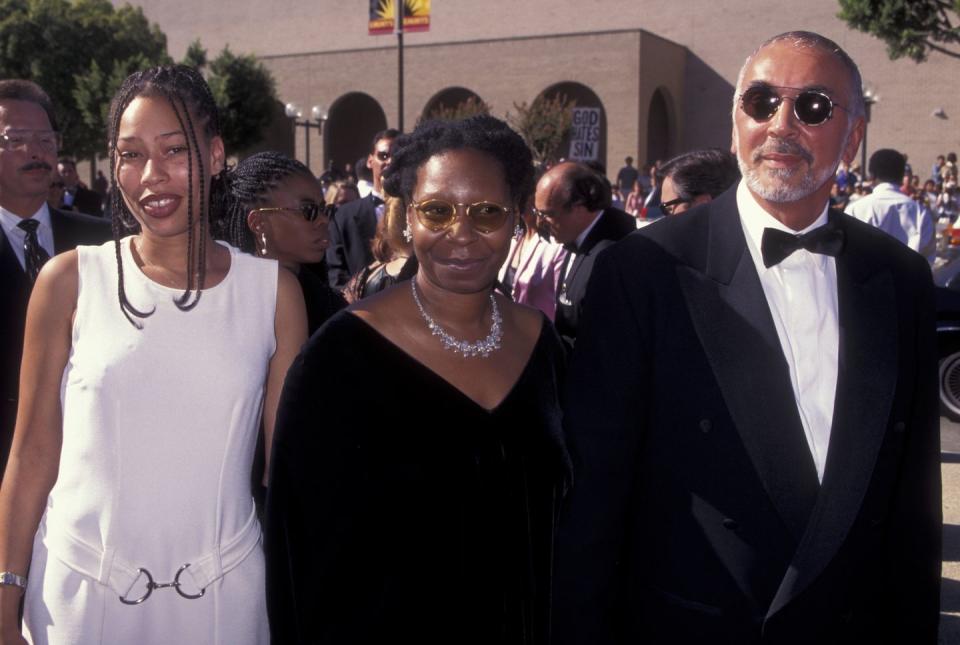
483 133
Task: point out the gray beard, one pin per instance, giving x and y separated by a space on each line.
777 190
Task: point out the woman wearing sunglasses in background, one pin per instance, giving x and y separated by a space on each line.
276 210
438 529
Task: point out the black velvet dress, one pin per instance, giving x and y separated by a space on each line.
319 298
399 510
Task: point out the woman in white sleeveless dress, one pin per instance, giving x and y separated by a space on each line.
148 363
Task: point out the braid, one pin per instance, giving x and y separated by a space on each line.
189 96
248 184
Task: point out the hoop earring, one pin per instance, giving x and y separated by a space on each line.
263 240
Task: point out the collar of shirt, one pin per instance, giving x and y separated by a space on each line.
886 187
754 219
16 235
586 231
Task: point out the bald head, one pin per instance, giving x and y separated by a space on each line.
810 40
568 198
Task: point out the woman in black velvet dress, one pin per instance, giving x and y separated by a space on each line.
275 209
424 510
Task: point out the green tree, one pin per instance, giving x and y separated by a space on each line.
196 55
911 28
245 94
543 124
79 52
471 106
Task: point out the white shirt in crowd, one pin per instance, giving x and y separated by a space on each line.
801 292
900 216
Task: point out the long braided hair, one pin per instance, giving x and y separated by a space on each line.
190 99
249 183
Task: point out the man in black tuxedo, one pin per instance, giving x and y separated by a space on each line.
355 223
574 201
75 196
752 413
31 231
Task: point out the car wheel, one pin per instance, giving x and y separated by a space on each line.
950 386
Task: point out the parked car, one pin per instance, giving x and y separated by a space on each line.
948 346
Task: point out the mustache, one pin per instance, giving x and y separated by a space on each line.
37 165
783 147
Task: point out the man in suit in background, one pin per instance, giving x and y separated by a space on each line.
694 178
75 196
752 405
31 231
574 201
355 224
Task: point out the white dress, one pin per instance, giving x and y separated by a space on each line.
159 432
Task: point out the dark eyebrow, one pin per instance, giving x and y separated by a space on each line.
807 88
165 135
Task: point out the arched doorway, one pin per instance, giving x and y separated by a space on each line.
587 139
352 121
659 127
454 103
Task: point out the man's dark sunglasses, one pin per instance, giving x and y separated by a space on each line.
310 210
667 207
811 107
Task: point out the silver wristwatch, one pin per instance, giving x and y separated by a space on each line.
12 579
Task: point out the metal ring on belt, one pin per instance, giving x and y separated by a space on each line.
151 585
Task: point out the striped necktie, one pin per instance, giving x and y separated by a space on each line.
34 255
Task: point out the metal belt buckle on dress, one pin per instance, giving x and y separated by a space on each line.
151 585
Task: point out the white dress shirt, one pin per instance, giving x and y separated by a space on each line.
801 292
898 215
16 235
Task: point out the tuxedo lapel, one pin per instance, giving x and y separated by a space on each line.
733 322
866 384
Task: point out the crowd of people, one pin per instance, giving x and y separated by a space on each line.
464 397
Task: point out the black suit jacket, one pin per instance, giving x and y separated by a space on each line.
69 230
352 229
613 225
696 515
87 201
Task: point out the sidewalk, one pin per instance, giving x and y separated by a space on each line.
950 587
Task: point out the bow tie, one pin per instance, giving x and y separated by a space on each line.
777 245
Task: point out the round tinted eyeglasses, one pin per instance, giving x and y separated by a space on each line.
811 107
309 210
437 214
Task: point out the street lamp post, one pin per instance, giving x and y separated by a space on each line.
870 97
318 117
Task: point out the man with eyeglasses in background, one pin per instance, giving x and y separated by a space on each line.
355 224
573 200
31 230
752 404
695 178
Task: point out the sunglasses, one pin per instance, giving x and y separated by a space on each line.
668 207
382 155
438 215
811 107
310 210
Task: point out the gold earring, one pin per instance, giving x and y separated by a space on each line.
263 241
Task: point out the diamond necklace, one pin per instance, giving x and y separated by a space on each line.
480 348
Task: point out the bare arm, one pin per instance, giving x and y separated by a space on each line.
35 454
290 327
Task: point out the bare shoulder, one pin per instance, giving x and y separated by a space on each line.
60 277
524 320
382 309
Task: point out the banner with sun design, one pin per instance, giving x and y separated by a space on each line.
416 16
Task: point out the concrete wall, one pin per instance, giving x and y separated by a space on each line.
462 48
